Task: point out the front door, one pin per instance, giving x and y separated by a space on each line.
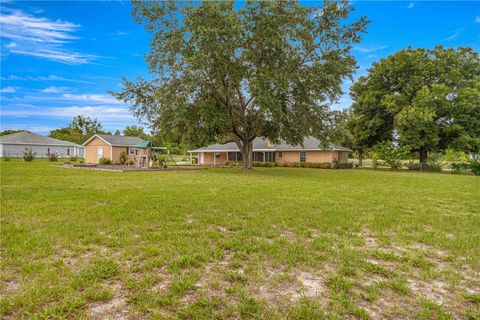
99 153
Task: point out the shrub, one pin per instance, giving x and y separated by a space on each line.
340 165
104 161
428 166
81 161
73 159
389 155
162 161
234 164
475 164
53 157
264 164
6 158
28 155
455 156
458 167
320 165
123 157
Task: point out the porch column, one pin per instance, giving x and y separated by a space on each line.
214 158
191 158
263 156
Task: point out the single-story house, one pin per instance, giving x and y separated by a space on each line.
110 147
281 153
14 145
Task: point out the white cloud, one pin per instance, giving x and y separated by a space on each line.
453 36
369 48
411 5
102 113
8 90
101 98
54 89
58 56
51 77
477 19
40 37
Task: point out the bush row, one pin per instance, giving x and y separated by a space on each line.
460 167
321 165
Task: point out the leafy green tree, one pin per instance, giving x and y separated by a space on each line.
79 130
117 133
435 87
417 124
135 131
227 73
390 154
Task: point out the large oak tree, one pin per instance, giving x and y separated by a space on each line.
425 99
222 71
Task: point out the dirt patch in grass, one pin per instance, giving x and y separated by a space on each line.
115 308
286 287
75 259
11 285
313 285
434 290
289 235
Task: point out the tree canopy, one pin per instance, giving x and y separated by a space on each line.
227 72
6 132
79 130
135 131
425 99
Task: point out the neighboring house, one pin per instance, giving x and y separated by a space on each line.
282 153
14 145
110 147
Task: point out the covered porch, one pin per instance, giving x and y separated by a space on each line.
220 157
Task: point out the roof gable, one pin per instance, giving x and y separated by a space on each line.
119 141
27 137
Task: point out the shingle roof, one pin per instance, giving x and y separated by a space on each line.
121 141
30 138
261 144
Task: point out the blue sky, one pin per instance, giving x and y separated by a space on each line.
59 59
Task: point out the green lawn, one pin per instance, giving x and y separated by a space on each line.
272 243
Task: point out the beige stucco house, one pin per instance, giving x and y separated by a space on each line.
110 147
264 151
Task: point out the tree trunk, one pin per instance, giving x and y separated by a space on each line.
423 157
360 157
246 149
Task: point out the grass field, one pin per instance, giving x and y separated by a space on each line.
272 243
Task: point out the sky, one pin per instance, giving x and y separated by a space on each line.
60 59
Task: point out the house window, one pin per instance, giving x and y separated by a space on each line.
279 155
130 150
269 156
258 156
48 151
303 156
264 156
234 156
68 151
